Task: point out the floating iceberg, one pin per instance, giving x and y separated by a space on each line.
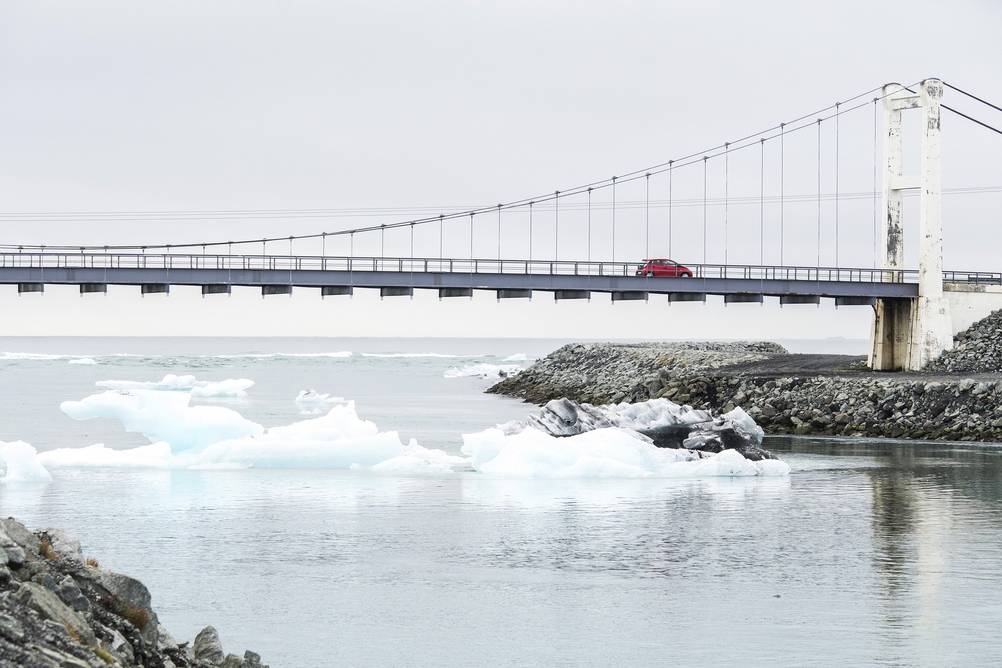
483 370
589 445
19 462
85 361
664 422
608 452
164 416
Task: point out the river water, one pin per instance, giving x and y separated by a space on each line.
868 552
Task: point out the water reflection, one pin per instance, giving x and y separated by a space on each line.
893 545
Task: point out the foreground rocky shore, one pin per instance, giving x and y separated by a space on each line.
782 392
59 610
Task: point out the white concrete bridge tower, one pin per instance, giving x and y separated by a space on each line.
909 333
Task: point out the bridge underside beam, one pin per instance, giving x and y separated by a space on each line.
215 289
89 288
560 295
276 290
743 298
30 287
799 299
394 291
455 292
686 297
629 296
514 294
336 290
855 301
154 288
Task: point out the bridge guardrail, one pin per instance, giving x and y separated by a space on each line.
465 265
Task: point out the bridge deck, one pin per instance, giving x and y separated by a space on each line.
570 278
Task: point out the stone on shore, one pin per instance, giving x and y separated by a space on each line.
58 610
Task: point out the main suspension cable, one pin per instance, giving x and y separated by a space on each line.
609 183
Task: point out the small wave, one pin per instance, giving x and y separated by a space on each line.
517 357
340 354
202 389
418 355
46 357
483 370
311 402
84 361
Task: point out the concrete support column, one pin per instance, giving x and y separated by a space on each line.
892 240
892 319
932 331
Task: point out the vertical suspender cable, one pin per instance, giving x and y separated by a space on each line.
556 225
323 245
782 202
499 237
530 231
412 246
382 240
441 238
761 202
727 147
819 192
704 209
669 207
614 219
836 184
589 224
647 214
471 235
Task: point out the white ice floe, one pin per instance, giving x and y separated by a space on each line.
164 416
85 361
19 462
483 370
311 402
609 452
212 437
338 440
154 455
202 389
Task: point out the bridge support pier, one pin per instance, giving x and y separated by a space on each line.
892 334
909 334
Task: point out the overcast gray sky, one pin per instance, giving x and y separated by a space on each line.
210 105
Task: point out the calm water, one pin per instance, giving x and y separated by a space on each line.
868 553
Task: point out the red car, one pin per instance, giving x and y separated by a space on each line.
662 267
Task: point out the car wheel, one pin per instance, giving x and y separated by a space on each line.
649 274
686 275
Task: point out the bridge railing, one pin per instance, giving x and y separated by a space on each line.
171 261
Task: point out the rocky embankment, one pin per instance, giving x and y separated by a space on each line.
59 610
977 349
783 393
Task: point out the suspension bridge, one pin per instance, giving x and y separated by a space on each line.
917 311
